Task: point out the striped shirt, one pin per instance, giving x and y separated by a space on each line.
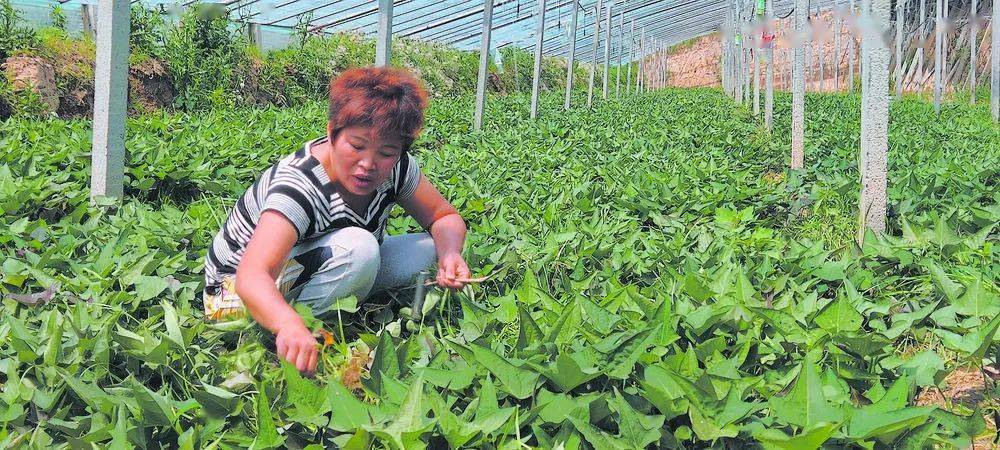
299 188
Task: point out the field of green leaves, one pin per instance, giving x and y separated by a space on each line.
660 280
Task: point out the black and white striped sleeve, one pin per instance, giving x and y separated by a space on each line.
288 196
411 178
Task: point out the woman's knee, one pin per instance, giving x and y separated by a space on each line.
362 248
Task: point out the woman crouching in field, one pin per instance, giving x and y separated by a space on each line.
311 229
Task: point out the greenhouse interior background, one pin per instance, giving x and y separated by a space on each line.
696 224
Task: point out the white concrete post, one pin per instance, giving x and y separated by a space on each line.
631 52
641 64
537 74
938 54
484 64
852 52
755 60
838 23
900 24
920 48
110 95
944 49
872 207
798 87
383 43
621 47
769 70
256 37
87 19
821 48
572 55
607 51
593 54
973 51
995 64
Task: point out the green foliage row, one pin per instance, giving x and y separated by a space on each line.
660 280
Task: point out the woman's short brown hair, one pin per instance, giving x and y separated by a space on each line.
389 100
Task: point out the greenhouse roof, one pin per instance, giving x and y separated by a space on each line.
460 22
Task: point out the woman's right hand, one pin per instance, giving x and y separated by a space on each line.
295 344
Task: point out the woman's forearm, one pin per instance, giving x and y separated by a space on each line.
449 235
262 299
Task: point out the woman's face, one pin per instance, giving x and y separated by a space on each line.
362 160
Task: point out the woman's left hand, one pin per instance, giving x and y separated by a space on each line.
452 271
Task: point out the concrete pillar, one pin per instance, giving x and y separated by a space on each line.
923 40
383 42
572 55
872 208
938 54
852 52
995 64
593 54
973 50
900 25
820 47
537 74
631 52
799 87
110 94
484 64
838 24
87 19
769 67
621 47
255 35
607 51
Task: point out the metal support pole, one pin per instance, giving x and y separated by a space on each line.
110 93
769 70
607 51
537 74
900 21
973 51
621 47
572 55
872 206
995 63
938 54
799 88
593 54
383 43
484 63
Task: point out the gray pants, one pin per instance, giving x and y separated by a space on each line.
349 262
